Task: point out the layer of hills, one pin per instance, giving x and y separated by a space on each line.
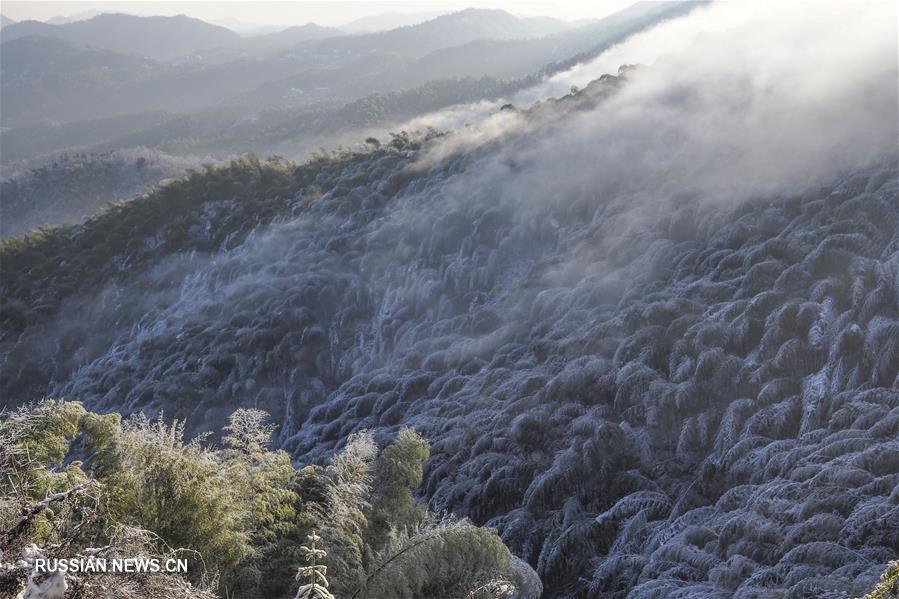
61 98
161 38
385 21
182 37
63 94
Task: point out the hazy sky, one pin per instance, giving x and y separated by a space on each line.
298 12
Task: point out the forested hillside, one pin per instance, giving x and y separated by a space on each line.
647 332
77 186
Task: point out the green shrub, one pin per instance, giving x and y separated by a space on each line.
240 511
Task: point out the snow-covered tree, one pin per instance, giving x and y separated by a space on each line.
313 576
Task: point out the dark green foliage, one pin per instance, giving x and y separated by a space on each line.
398 472
241 512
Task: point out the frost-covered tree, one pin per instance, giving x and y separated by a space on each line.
247 432
242 515
444 559
313 576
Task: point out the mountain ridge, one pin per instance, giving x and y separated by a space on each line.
183 35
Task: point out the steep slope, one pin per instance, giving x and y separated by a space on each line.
159 38
4 21
717 403
651 329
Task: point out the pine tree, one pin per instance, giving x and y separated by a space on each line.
317 587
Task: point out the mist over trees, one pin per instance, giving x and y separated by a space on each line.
61 91
643 336
110 84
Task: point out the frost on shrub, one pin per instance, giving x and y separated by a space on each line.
645 391
246 521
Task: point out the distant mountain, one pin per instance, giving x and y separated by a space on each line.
517 58
444 32
245 28
40 73
261 100
508 59
311 70
388 20
51 80
160 38
4 21
35 56
80 16
292 36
